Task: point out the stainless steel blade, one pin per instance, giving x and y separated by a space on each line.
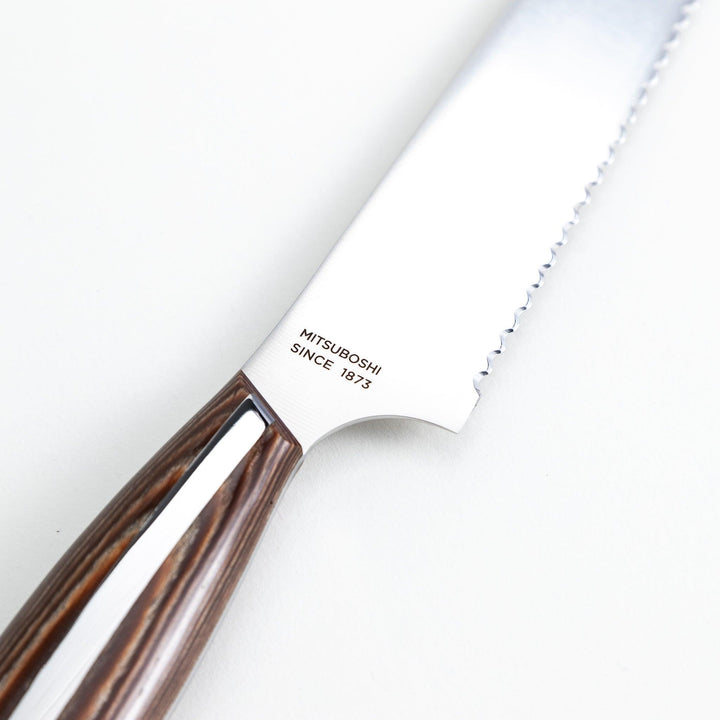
399 318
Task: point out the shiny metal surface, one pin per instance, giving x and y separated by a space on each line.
419 289
60 677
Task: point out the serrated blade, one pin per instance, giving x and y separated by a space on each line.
400 317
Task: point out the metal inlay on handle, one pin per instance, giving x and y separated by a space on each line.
57 681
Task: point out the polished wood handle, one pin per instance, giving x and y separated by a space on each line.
152 645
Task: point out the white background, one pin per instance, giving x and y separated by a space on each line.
170 176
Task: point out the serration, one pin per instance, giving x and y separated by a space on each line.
623 130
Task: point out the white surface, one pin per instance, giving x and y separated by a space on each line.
172 174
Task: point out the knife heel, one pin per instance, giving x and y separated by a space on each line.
116 626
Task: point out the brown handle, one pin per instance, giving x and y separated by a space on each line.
151 651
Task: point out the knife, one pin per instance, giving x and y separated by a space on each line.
366 339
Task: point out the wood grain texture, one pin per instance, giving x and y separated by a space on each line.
172 619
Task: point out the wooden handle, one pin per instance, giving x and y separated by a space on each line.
152 647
